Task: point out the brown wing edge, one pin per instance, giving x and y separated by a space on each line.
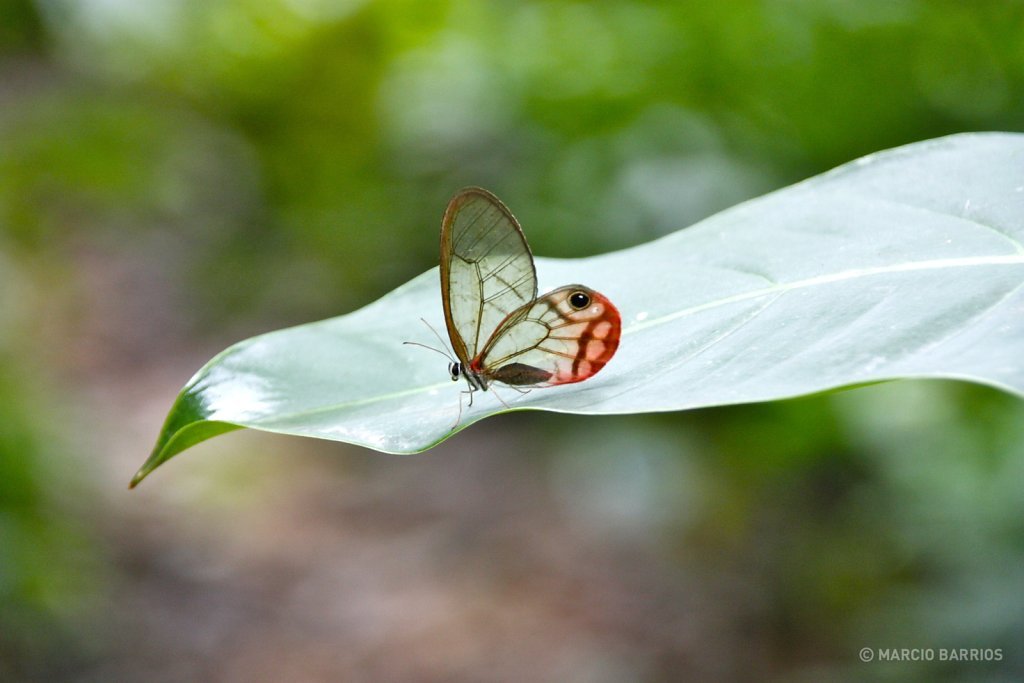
455 204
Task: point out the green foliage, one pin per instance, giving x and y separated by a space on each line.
47 565
178 175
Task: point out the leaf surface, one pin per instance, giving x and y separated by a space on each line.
903 264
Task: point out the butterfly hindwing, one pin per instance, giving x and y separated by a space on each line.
565 336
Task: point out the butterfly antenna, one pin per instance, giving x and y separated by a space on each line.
443 353
447 353
439 337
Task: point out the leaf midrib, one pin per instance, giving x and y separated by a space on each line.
851 274
776 289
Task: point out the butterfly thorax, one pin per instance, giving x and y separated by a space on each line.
476 380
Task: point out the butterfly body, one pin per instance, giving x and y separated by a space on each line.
500 330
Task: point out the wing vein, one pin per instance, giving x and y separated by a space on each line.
466 230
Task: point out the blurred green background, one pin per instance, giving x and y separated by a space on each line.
178 175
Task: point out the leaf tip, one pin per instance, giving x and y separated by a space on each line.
139 476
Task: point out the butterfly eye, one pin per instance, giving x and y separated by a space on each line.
579 300
455 369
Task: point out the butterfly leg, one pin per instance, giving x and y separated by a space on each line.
500 399
520 390
459 418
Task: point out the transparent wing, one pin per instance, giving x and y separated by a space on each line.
486 269
565 336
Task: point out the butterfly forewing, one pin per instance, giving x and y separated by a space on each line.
564 336
487 271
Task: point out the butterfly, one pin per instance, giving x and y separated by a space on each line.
500 330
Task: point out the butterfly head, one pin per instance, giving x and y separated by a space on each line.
455 370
